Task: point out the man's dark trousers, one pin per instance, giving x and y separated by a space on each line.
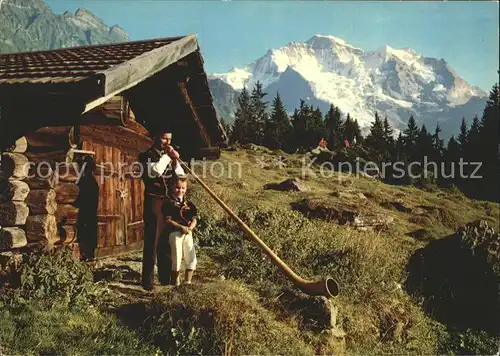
154 250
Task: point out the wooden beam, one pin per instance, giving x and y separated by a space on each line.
138 69
194 113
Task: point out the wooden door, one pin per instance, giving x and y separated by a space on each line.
134 204
120 205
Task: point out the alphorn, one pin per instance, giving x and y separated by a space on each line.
328 287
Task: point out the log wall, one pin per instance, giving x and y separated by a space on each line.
30 190
39 191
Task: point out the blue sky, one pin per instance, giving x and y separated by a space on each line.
235 33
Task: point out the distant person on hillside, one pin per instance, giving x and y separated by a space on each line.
322 147
180 221
346 143
323 144
354 141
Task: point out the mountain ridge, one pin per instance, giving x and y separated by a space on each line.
323 70
396 83
30 25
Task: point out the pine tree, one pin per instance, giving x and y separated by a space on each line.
278 126
376 138
227 127
352 129
333 123
473 151
474 128
452 149
489 141
299 123
308 126
462 136
451 156
316 127
490 120
243 117
388 131
437 142
424 146
348 128
388 137
410 135
259 114
400 147
357 132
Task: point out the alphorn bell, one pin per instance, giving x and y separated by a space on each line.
328 287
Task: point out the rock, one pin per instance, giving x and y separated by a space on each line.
399 206
317 313
325 210
325 311
372 220
290 184
349 195
257 148
331 210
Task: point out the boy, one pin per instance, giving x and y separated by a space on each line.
180 220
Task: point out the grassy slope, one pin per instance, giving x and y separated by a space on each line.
370 265
255 310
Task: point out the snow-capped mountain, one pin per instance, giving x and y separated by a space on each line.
395 82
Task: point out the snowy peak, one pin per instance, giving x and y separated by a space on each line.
395 82
324 42
405 55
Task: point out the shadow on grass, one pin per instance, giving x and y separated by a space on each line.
175 330
459 289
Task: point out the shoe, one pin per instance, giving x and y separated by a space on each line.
148 287
188 276
176 278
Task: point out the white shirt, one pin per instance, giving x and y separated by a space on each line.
158 168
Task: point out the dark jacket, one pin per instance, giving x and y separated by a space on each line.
182 212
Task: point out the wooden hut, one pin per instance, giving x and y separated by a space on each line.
60 107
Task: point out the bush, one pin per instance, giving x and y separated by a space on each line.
54 278
468 342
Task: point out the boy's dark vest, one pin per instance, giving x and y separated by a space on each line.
157 186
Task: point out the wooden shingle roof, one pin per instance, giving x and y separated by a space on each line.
88 76
71 64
